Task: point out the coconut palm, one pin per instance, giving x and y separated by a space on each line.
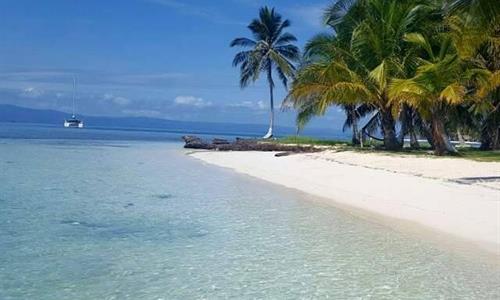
487 104
437 85
271 49
357 63
475 29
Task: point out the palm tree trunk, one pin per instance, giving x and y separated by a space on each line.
402 133
404 119
496 140
355 133
490 138
269 133
427 132
486 140
355 129
389 127
442 144
413 140
412 127
493 140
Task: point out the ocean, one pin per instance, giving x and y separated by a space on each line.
109 214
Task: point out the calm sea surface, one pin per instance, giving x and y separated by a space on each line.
138 219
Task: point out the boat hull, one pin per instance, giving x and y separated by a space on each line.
73 124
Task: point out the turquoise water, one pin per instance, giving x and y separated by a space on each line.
88 219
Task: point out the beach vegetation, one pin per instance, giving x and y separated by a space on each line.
304 140
425 150
406 69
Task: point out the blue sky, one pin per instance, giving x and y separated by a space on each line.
156 58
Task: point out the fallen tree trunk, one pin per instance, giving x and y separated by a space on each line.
193 142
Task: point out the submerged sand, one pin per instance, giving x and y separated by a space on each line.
455 196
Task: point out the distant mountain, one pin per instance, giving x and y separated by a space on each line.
17 114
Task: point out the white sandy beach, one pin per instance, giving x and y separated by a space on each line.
450 195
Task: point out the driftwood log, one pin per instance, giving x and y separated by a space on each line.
194 142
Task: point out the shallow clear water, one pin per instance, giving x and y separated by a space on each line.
141 220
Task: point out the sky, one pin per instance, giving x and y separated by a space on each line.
155 58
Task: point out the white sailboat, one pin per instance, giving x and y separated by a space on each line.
73 122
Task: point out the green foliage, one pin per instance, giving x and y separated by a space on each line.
270 49
466 152
478 155
303 140
427 57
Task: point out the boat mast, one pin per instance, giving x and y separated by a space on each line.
74 95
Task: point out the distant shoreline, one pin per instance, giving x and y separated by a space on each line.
440 194
12 114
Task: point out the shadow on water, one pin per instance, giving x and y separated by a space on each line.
163 196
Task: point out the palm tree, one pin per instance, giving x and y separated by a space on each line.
451 69
487 106
271 50
437 85
411 124
475 29
357 62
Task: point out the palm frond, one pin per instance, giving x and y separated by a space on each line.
243 42
379 75
271 49
453 94
419 40
285 39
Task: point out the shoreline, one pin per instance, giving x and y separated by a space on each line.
373 185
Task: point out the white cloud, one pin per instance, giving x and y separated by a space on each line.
121 101
256 105
32 92
107 96
192 101
142 113
118 100
245 104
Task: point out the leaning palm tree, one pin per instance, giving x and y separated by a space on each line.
437 86
271 50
